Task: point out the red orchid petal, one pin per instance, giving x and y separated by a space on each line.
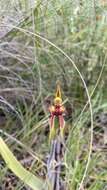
61 121
52 121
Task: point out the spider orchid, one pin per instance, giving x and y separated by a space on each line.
57 123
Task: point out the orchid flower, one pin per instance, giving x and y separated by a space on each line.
57 123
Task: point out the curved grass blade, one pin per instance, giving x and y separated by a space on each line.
14 165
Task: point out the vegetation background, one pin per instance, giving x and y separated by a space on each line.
40 43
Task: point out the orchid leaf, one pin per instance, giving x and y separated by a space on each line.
14 165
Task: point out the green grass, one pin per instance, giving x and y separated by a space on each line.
42 42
